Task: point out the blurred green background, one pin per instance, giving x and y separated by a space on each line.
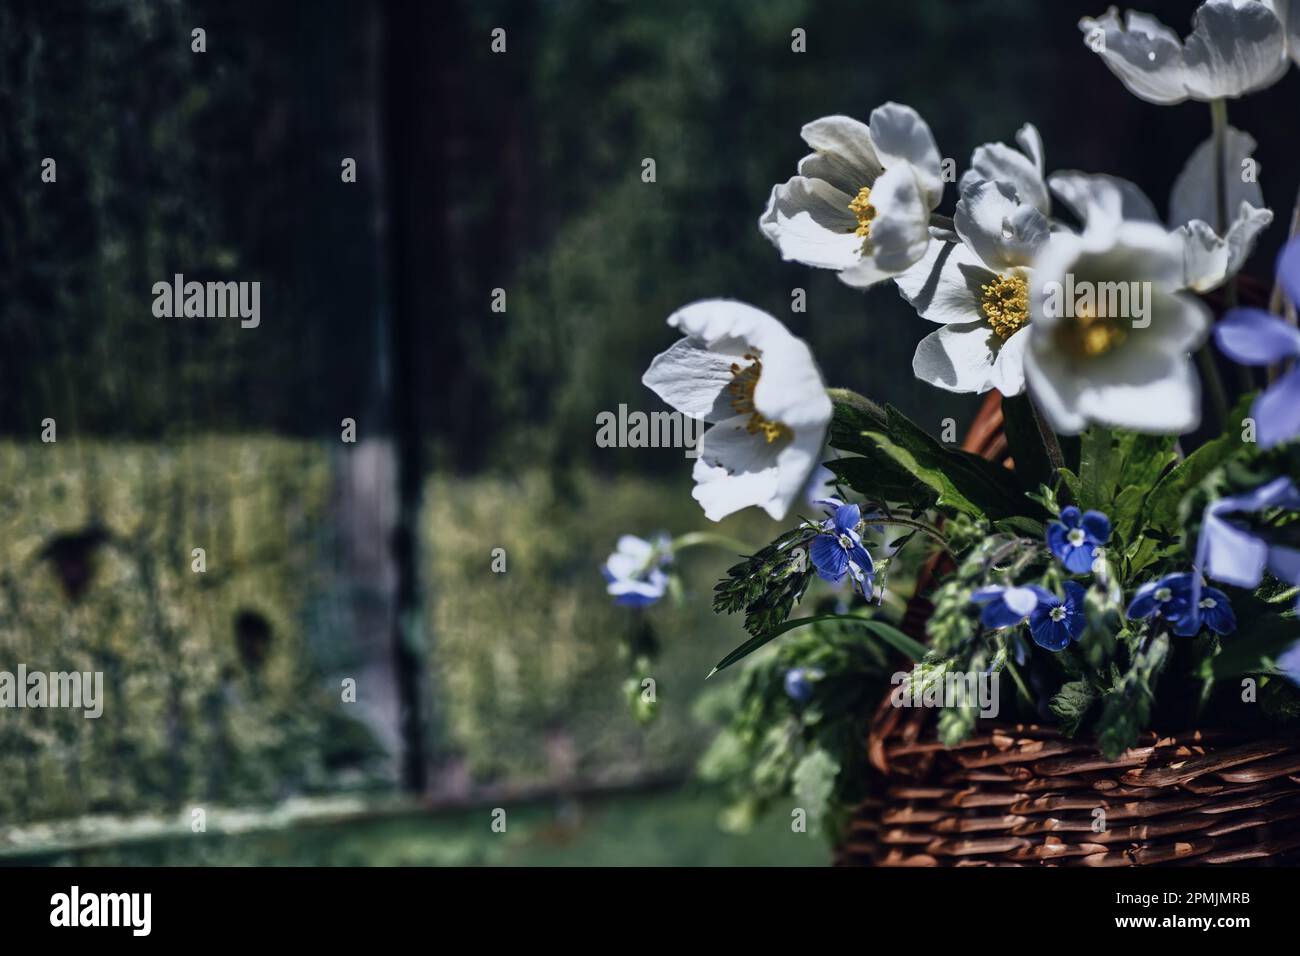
477 171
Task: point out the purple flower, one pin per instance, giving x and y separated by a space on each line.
1289 663
799 684
1186 603
1226 552
1256 337
1054 621
1006 606
838 549
1076 537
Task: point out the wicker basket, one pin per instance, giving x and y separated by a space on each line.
1023 795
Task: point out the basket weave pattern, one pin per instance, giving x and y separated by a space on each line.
1024 795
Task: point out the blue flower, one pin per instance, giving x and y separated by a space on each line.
1256 337
1054 621
838 549
1289 663
1229 553
1076 537
634 573
1006 607
1186 603
799 684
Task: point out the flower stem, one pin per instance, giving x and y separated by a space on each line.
870 520
1219 125
1275 300
1204 357
695 539
1051 445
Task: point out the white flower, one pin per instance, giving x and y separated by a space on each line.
978 289
1127 366
1209 259
861 203
1021 170
742 370
1235 47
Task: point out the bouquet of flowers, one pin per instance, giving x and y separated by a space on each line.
1116 575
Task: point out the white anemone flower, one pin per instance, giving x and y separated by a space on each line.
1209 259
741 370
978 290
1112 334
862 200
1235 47
1021 169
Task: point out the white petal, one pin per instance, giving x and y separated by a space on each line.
1055 391
1144 389
1098 196
1145 54
790 389
1235 47
1245 229
945 285
1002 231
902 137
845 144
691 378
997 162
796 462
1193 195
810 222
958 358
900 232
735 469
1008 375
1205 256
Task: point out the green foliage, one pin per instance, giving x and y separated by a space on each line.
767 584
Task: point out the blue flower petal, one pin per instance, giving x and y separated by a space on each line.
1256 337
1070 516
1097 525
1078 560
846 518
1144 602
830 560
1277 410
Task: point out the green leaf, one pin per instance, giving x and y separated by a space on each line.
1071 703
1162 504
1024 443
813 785
1126 708
885 632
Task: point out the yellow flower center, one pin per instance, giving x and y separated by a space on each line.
1006 304
862 208
741 389
1089 335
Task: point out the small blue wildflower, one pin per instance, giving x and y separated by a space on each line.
1186 603
1077 536
838 551
1005 606
634 573
1054 621
799 684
